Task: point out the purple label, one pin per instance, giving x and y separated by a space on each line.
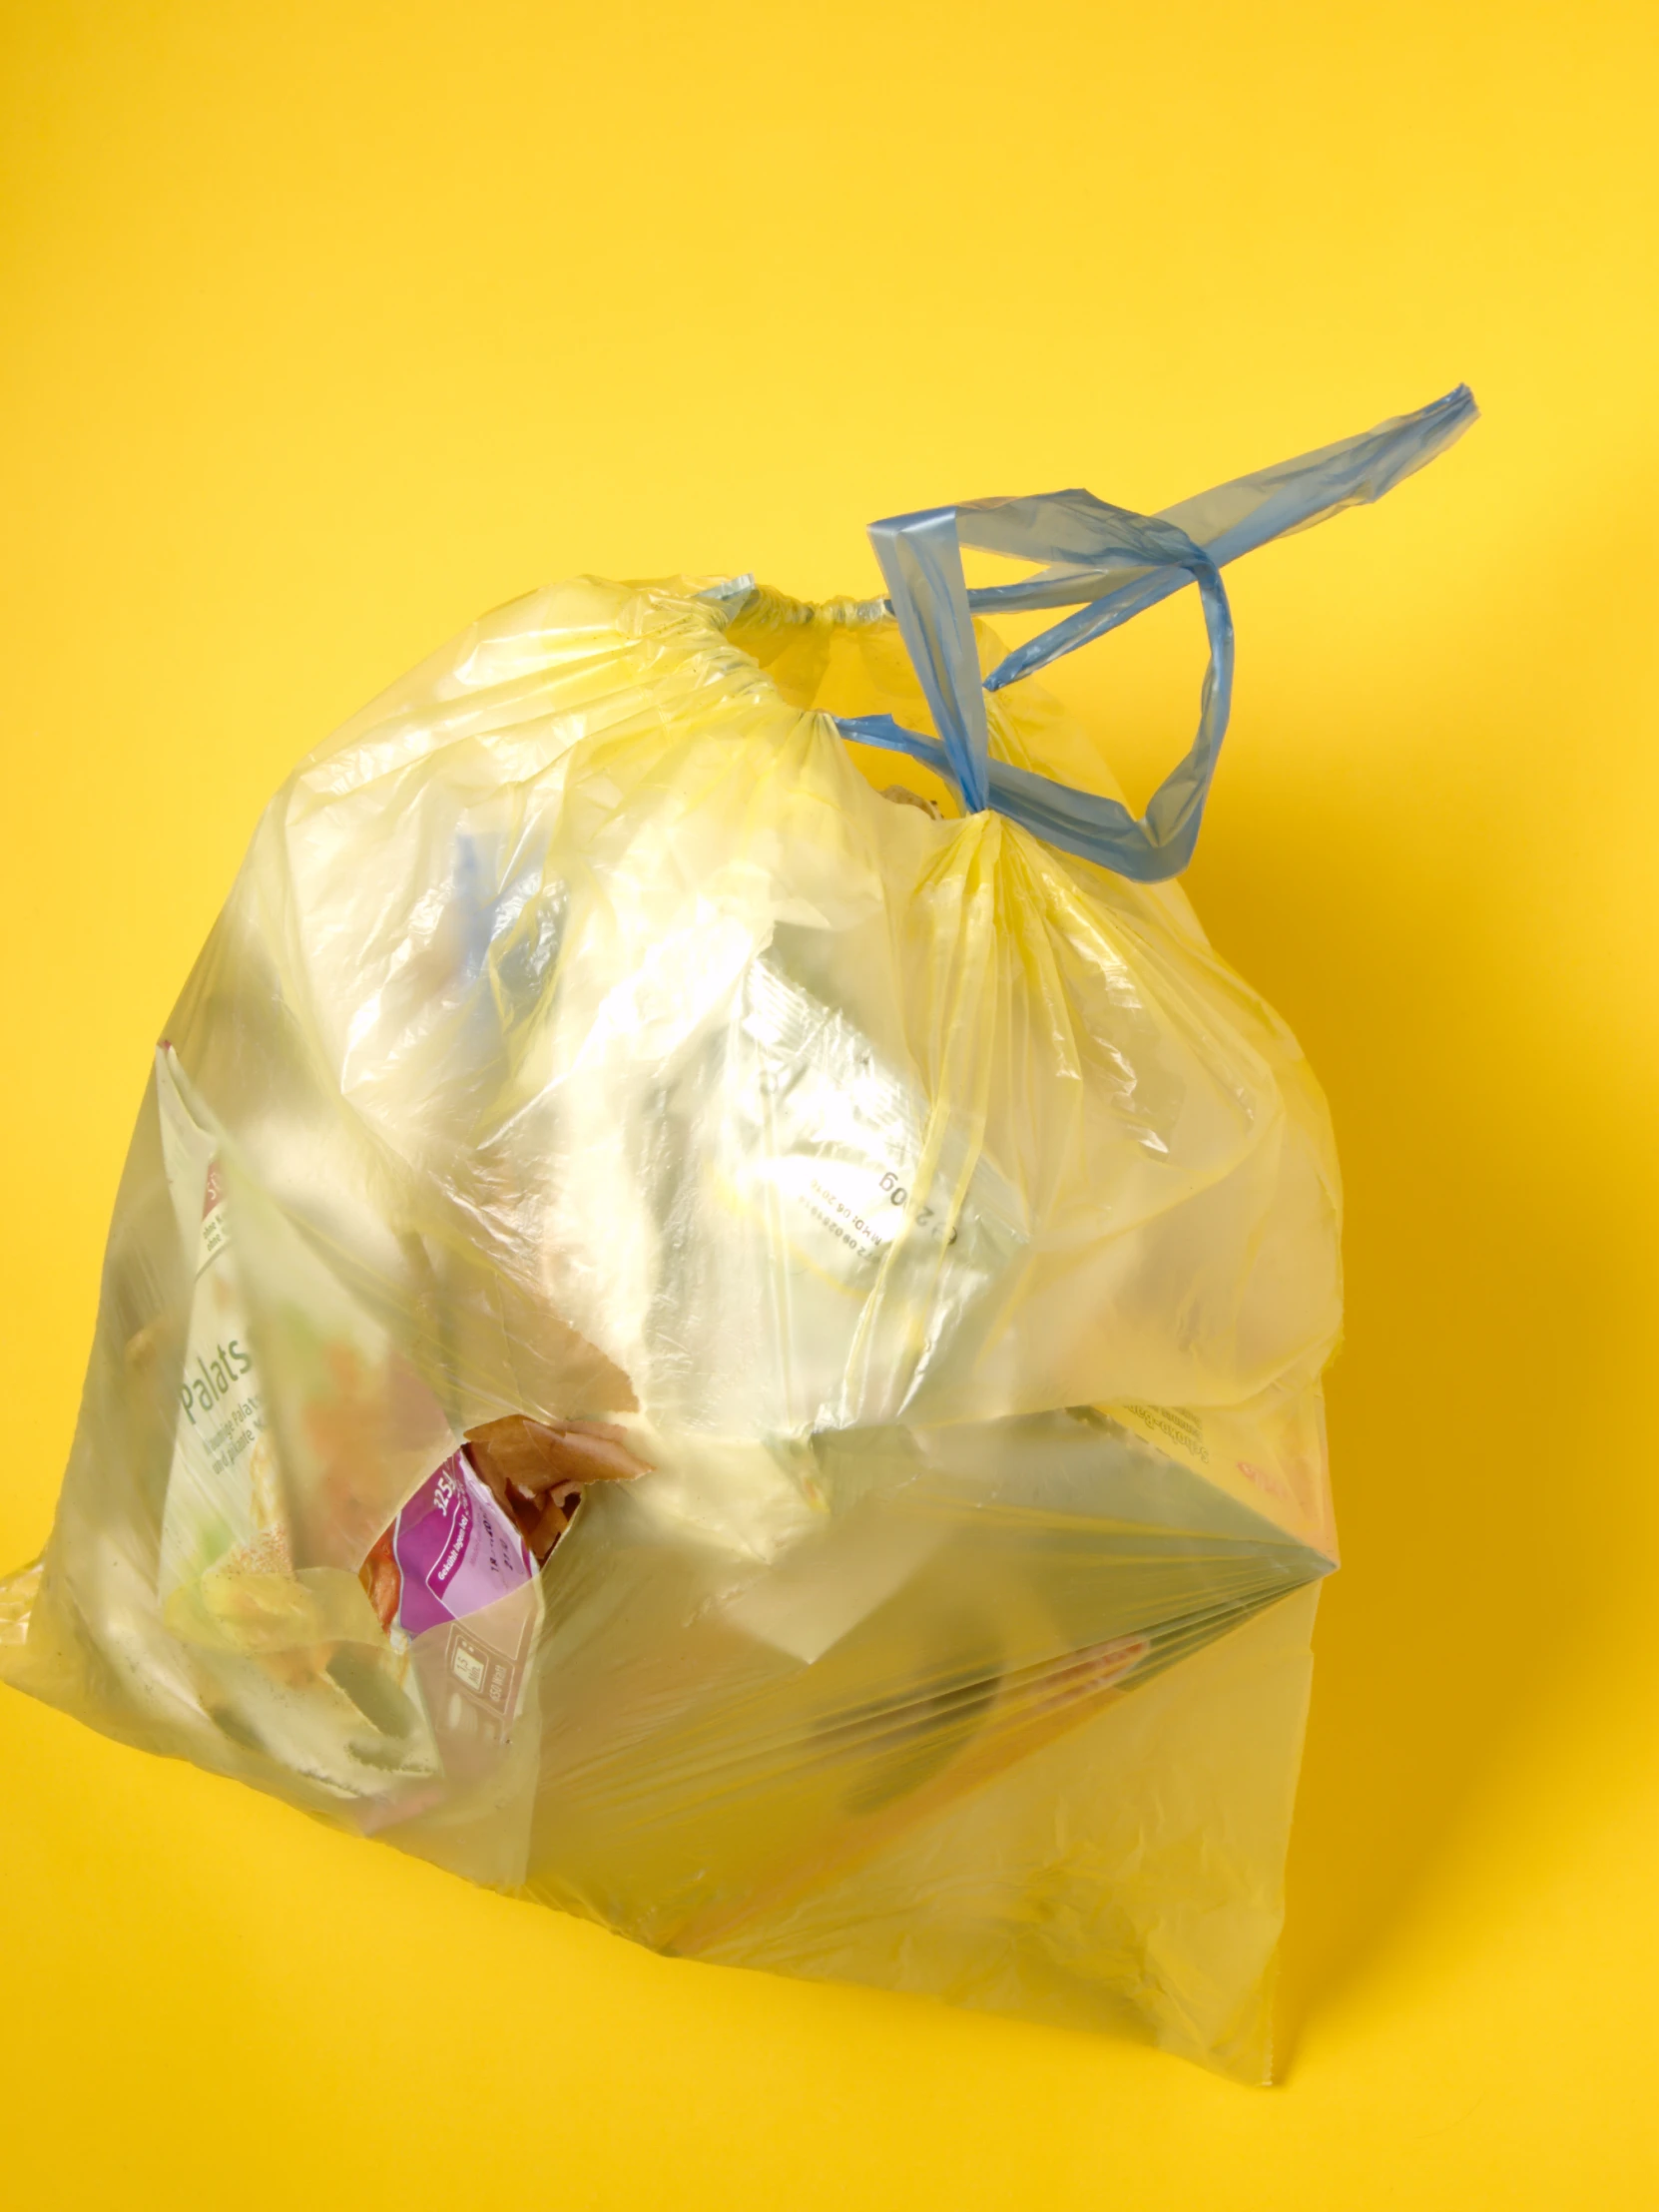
457 1551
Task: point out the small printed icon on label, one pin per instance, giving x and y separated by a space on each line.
468 1665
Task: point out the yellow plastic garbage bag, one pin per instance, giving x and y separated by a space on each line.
732 1343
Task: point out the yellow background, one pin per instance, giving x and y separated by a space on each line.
328 325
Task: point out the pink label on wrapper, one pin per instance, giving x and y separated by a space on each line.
455 1549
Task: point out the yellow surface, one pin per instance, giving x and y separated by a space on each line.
326 327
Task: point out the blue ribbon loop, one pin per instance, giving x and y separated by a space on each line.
1110 564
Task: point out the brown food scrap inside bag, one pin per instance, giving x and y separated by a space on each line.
537 1470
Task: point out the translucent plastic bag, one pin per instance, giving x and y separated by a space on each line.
687 1335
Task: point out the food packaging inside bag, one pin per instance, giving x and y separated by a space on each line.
734 1356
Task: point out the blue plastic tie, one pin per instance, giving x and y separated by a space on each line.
1110 564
